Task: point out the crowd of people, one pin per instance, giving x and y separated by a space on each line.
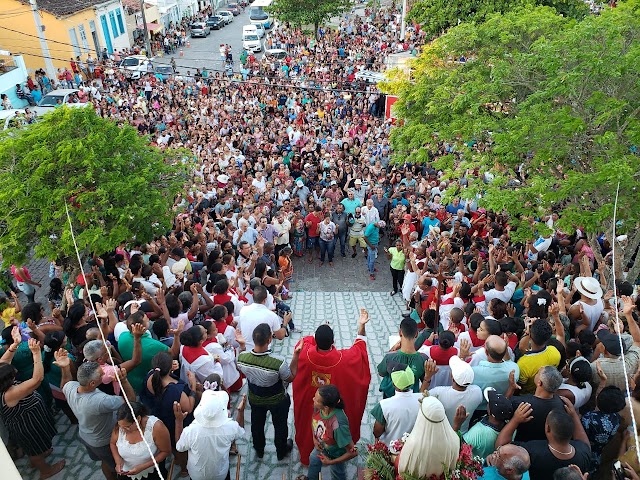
523 351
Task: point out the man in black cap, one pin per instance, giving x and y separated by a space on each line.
482 436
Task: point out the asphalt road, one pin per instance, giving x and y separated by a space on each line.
204 52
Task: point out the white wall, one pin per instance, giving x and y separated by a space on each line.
116 24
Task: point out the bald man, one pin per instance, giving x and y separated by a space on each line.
491 370
508 462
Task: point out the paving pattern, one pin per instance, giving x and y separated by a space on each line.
310 308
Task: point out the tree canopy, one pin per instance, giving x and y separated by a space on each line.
308 12
436 16
116 185
545 110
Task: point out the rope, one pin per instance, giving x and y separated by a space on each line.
615 296
75 245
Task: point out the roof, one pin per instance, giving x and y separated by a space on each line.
63 8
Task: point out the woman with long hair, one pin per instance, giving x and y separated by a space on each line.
24 413
130 449
161 389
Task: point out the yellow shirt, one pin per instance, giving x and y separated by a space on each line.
7 313
531 362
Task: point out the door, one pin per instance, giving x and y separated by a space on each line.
105 31
94 36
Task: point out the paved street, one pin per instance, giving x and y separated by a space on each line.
203 52
310 309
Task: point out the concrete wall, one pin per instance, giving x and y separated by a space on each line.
8 81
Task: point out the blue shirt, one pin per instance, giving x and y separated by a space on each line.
351 205
426 223
491 473
372 234
496 375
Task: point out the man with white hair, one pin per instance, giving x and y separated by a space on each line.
370 213
245 233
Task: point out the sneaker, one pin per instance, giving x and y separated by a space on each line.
353 255
260 454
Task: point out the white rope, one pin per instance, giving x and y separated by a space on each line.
126 399
618 323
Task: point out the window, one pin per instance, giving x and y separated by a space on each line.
74 41
83 38
120 21
114 27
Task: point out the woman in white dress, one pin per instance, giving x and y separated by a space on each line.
130 449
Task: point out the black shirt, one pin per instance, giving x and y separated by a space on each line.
544 462
534 429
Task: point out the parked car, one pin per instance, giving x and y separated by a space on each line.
234 8
164 72
275 53
59 96
199 29
227 15
243 3
135 66
260 29
216 22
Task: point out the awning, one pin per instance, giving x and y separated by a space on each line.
154 27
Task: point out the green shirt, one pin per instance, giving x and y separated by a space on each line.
391 360
331 432
397 258
149 349
482 437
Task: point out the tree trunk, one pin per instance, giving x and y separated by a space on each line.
316 26
633 242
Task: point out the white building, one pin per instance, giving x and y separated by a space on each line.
112 24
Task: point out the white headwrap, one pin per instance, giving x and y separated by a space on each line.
432 445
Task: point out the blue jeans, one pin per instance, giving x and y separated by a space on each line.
343 241
371 259
327 247
338 470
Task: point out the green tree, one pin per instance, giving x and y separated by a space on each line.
436 16
117 187
548 109
308 12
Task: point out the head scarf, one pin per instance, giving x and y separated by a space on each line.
432 446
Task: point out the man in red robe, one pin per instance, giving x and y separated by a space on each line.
322 364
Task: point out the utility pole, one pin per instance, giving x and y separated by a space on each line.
403 20
51 71
147 41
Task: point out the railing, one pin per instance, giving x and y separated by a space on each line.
7 64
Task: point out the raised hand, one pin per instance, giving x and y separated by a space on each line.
512 381
430 368
523 413
34 346
138 329
178 413
15 336
364 316
62 359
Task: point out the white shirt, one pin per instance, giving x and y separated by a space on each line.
253 315
470 398
504 295
209 449
400 413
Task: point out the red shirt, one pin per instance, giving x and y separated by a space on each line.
442 356
314 228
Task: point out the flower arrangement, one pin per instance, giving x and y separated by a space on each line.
381 463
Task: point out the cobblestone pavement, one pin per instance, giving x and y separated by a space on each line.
310 308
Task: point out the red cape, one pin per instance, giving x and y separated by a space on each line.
347 369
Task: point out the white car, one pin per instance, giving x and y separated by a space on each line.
370 76
13 118
61 96
260 29
136 66
227 15
276 53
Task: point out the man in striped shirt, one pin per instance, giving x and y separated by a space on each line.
268 376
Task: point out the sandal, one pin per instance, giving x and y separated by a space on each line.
302 477
392 293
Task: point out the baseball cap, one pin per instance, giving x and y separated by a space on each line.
300 183
333 182
610 342
408 217
461 371
403 378
499 405
381 224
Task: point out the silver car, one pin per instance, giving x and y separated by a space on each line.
199 29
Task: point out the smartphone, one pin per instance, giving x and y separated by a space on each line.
618 471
